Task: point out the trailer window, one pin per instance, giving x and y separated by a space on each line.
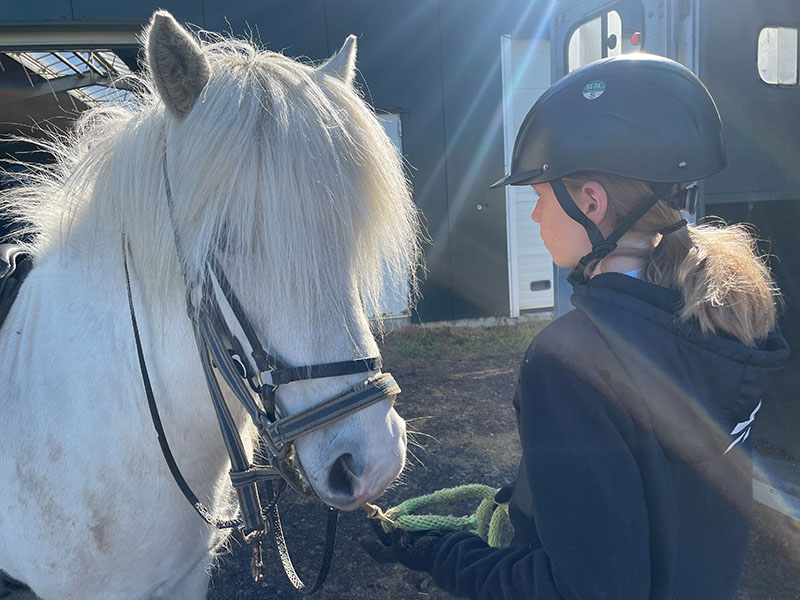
610 33
777 55
586 44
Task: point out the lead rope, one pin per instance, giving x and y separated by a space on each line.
487 520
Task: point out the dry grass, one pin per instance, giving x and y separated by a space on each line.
461 343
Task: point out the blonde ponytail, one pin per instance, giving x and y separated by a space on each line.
725 283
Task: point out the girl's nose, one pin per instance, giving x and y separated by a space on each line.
534 214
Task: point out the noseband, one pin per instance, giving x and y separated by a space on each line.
255 385
270 373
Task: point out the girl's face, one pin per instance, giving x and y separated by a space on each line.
565 239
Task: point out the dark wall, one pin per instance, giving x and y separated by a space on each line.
88 12
761 121
761 184
437 63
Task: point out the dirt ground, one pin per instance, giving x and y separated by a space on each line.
457 385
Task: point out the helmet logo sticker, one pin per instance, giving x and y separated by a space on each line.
594 89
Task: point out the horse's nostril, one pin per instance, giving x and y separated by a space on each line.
344 471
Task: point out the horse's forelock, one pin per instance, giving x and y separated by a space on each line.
309 165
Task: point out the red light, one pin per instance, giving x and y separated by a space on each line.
635 39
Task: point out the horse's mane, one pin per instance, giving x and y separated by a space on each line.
280 167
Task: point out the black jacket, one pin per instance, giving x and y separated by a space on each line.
635 480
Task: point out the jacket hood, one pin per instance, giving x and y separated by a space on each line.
714 381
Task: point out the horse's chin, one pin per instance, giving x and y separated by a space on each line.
351 503
347 506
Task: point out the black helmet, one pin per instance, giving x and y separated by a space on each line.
638 115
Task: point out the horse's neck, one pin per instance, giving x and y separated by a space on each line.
83 282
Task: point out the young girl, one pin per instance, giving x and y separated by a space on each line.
635 409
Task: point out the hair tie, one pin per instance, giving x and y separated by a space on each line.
673 228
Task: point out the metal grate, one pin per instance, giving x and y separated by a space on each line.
91 76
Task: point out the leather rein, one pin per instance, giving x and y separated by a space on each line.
255 385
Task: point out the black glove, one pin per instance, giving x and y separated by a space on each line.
377 550
414 550
417 551
503 495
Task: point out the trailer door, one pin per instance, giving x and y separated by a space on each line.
588 30
526 75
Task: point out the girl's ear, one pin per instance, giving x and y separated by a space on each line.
594 201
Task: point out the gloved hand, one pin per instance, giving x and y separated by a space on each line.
503 495
375 548
417 551
414 550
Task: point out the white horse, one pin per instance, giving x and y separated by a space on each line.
282 172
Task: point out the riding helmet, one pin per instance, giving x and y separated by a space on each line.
638 116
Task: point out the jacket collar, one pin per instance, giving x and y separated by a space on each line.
622 295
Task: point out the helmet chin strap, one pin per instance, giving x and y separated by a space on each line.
602 246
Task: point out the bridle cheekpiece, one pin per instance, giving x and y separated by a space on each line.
255 385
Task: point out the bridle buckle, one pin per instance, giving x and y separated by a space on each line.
265 378
254 539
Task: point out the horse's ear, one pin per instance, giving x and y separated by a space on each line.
343 63
179 68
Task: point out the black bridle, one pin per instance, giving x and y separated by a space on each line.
255 385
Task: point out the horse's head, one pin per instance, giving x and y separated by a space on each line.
282 172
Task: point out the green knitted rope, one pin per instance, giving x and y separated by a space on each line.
485 522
